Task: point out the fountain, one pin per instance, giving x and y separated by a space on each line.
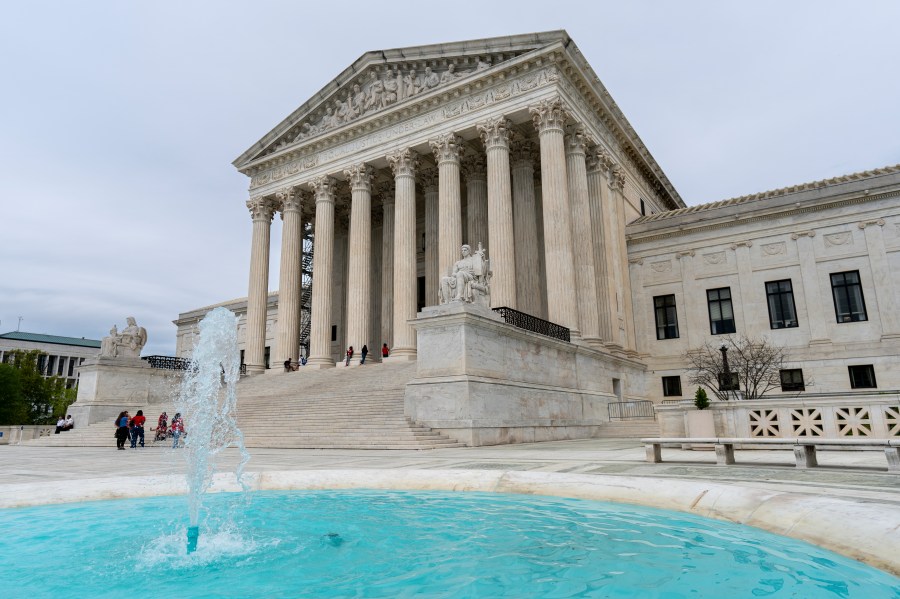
208 402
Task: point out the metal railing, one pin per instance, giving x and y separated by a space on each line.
168 362
622 410
533 324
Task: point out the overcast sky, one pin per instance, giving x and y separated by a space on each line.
119 122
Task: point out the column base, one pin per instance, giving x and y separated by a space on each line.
319 363
400 355
254 369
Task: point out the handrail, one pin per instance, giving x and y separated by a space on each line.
533 324
621 410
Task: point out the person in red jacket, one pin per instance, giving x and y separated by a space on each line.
137 428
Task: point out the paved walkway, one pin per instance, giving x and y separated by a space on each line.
857 475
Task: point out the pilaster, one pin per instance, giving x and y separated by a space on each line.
818 332
882 279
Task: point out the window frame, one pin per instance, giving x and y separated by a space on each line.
844 286
665 310
792 385
783 297
720 301
666 389
869 370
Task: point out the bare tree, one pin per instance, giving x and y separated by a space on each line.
754 366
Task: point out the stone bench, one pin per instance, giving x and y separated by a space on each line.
804 448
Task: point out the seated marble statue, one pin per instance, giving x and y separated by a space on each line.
127 344
470 279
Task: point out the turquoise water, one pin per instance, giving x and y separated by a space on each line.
409 544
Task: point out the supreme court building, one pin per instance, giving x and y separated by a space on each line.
514 145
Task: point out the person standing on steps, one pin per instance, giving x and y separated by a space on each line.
349 356
364 352
137 428
177 429
385 352
121 430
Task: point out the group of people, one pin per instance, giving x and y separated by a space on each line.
385 352
132 427
293 366
65 424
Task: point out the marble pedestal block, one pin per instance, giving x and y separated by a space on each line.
484 382
109 385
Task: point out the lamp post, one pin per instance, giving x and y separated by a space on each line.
726 384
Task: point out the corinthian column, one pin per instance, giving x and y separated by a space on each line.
446 153
528 281
322 279
495 135
359 284
386 190
476 199
598 202
549 119
404 164
429 180
623 279
261 211
585 277
290 277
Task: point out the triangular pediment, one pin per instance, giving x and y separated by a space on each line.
381 80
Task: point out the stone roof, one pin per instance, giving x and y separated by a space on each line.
54 339
766 195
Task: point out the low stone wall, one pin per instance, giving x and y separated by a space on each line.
484 382
109 385
13 435
855 416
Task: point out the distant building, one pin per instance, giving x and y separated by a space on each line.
62 355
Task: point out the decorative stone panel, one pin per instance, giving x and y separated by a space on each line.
892 420
853 422
807 422
764 423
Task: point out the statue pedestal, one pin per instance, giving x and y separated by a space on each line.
106 386
484 382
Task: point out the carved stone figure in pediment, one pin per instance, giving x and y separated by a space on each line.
375 94
470 280
411 84
358 101
450 74
483 65
430 79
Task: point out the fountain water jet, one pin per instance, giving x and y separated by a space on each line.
208 401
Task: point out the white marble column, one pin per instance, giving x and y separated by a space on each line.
585 276
528 281
597 165
809 274
882 279
359 283
261 211
290 278
495 135
542 255
404 164
429 180
386 190
549 119
476 199
323 273
446 150
623 280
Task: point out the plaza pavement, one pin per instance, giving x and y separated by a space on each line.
849 504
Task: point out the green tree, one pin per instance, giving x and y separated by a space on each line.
13 409
700 399
45 399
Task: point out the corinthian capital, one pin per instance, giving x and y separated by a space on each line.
599 160
385 191
577 140
616 178
473 165
261 208
429 179
548 115
288 199
404 163
360 177
324 187
495 132
522 150
446 147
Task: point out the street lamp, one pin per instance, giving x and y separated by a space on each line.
726 384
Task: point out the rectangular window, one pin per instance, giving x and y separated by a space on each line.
780 297
792 380
643 208
849 304
334 332
666 317
862 377
721 315
671 386
71 367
